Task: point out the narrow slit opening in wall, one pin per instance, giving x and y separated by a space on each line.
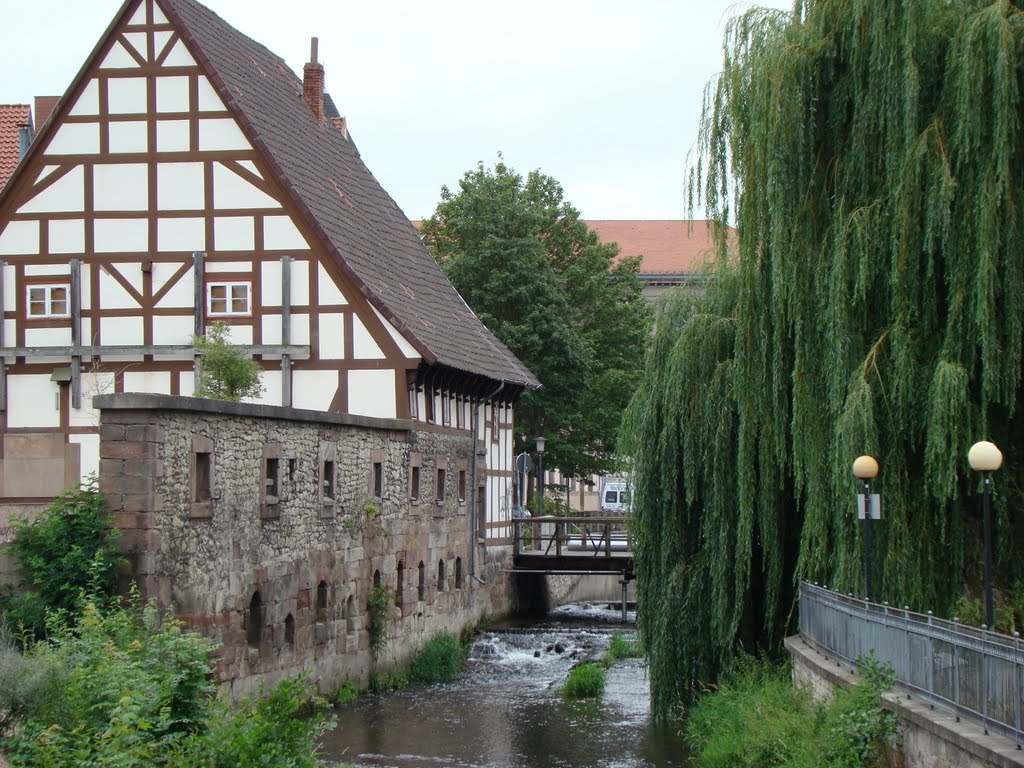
414 489
204 465
271 476
350 614
254 621
421 589
328 481
289 629
400 583
440 484
440 575
458 573
321 602
378 480
462 485
376 579
293 468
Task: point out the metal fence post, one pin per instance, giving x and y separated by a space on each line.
956 668
931 664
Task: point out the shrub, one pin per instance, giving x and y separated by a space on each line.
27 681
620 648
68 551
584 681
225 371
378 607
346 694
439 661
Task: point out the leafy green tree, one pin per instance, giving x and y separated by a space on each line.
540 280
67 551
872 157
225 372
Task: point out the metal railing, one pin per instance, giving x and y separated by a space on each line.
970 672
551 535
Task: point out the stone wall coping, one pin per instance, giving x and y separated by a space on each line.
991 748
141 401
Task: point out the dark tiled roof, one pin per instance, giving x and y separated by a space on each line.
12 118
361 225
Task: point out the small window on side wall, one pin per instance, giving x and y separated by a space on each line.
202 481
440 485
378 479
328 479
462 486
49 301
229 299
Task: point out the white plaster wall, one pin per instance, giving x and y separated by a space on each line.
48 337
20 237
332 336
239 334
9 295
88 102
120 235
181 294
118 58
42 270
213 266
75 139
181 235
173 330
280 233
92 384
233 233
372 393
179 186
300 282
67 236
363 345
35 395
232 191
186 383
407 349
121 187
130 136
209 101
121 331
172 94
314 389
89 453
64 195
326 288
179 57
272 389
158 15
271 325
126 95
271 273
217 134
137 40
172 136
300 329
112 295
158 382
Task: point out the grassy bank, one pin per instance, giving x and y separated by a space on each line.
756 718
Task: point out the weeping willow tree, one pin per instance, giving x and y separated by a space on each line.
870 154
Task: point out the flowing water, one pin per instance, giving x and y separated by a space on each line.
504 710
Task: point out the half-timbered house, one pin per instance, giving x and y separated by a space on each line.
187 176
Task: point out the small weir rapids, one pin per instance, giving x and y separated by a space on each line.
505 710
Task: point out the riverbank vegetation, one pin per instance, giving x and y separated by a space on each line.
871 301
87 679
585 681
620 648
756 718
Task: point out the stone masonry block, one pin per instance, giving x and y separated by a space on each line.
110 432
130 451
128 484
144 433
144 468
128 417
142 502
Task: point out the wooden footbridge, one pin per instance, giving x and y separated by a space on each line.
573 545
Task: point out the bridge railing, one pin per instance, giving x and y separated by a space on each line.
973 673
550 535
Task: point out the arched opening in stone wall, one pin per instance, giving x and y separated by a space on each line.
458 573
376 579
321 602
350 614
400 585
440 575
421 591
289 629
254 620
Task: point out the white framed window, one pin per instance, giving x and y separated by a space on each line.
49 300
228 299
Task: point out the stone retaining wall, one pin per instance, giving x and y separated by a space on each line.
228 516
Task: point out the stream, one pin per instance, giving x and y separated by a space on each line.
504 710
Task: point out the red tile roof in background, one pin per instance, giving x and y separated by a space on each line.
668 246
12 118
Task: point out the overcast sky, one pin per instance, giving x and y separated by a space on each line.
600 94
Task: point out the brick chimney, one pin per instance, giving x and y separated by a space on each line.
313 83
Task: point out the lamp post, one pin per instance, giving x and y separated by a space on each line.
540 475
984 457
865 468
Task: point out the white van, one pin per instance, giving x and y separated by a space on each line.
615 498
